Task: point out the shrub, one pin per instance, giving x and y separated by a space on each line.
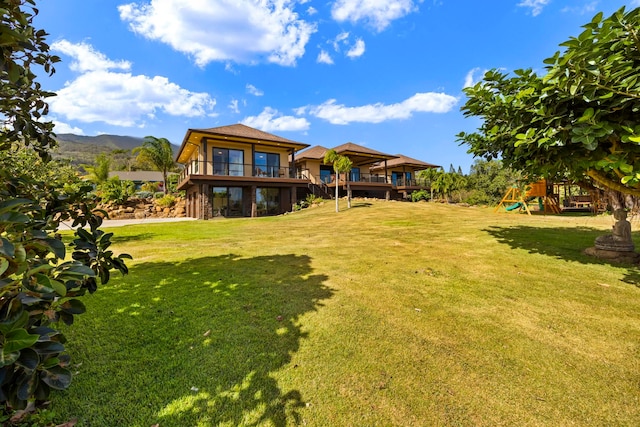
144 194
150 187
420 195
158 195
116 190
166 201
312 198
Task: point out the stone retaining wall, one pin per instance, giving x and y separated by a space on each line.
144 208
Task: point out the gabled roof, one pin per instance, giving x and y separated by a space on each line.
360 155
237 133
402 160
314 153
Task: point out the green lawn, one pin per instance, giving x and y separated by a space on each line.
388 314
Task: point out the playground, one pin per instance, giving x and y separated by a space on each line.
546 197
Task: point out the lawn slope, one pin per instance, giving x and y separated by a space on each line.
385 314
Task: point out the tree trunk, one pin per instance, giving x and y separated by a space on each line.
337 179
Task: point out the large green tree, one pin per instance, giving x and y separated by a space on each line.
341 164
41 275
579 120
159 153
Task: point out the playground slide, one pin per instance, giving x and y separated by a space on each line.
514 206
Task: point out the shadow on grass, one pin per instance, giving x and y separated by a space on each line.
208 336
567 243
361 205
120 238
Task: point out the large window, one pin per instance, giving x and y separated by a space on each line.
267 164
268 201
325 173
355 174
228 162
227 201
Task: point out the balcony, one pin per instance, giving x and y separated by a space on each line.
239 173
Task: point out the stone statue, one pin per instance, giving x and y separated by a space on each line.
620 238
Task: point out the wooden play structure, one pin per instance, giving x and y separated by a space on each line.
543 192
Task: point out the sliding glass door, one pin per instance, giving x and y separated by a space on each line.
228 162
227 201
267 164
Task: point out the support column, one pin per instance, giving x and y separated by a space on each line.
254 202
205 154
294 197
387 195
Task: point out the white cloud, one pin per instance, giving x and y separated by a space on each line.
377 13
254 90
123 99
473 76
584 9
312 11
356 50
61 127
242 31
233 106
339 114
535 5
85 58
324 58
271 120
340 38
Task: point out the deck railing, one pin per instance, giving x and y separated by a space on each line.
197 167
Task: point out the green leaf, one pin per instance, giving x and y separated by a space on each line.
57 378
18 339
28 359
4 265
73 306
634 138
7 359
626 168
586 116
49 347
59 287
7 248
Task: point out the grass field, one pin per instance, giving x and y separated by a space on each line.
388 314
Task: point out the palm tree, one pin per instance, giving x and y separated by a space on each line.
158 152
431 176
341 164
99 172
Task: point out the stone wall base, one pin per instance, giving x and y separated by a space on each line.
614 256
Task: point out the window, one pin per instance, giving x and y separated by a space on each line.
267 164
228 162
268 201
227 201
355 174
325 173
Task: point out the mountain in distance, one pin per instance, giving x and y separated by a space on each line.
81 149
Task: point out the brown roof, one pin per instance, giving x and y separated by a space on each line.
237 132
351 148
244 131
402 160
315 153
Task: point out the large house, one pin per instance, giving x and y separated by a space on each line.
240 171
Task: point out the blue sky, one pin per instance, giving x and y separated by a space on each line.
386 74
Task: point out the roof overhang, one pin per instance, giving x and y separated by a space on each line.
193 139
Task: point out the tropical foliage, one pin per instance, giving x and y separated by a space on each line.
158 152
579 120
341 164
40 284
